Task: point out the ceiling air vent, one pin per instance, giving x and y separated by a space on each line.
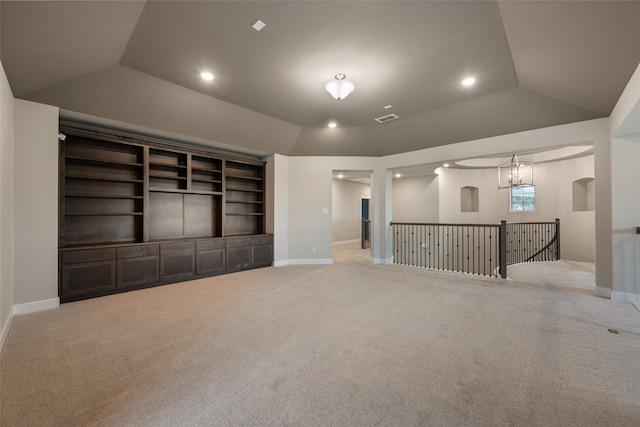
387 118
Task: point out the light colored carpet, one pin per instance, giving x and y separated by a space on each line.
349 344
565 275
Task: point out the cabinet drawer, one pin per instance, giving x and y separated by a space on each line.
262 240
138 251
88 278
138 271
88 255
178 247
236 243
205 245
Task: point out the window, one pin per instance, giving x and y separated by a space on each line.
523 198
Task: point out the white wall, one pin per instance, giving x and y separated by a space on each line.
277 208
553 186
36 206
6 205
310 205
415 199
346 202
625 197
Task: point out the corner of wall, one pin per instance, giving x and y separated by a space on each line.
7 223
603 292
625 297
6 325
35 202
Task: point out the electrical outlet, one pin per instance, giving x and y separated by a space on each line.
313 249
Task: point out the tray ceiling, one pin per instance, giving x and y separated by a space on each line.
537 64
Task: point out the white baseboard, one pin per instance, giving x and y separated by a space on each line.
625 297
5 329
303 262
603 292
346 242
32 307
383 261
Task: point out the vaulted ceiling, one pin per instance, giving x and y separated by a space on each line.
537 64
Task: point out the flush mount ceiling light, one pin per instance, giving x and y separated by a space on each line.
332 124
469 81
340 88
206 75
515 173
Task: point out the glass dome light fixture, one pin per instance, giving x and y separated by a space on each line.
340 88
206 75
469 81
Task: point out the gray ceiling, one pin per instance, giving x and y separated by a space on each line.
537 63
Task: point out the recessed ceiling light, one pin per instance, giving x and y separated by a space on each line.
398 175
332 124
258 25
469 81
340 176
386 107
446 165
206 75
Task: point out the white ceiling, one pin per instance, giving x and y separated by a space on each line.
137 63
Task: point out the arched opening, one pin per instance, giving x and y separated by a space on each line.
583 193
469 199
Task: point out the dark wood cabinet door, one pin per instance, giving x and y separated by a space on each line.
261 255
177 265
138 271
210 261
238 257
88 278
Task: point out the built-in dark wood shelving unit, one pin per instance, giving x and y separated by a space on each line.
137 213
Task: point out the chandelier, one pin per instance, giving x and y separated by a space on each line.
515 173
340 88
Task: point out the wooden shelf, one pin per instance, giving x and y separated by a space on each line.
177 178
183 191
213 181
245 190
206 170
249 178
101 196
104 214
256 202
166 165
102 161
100 178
